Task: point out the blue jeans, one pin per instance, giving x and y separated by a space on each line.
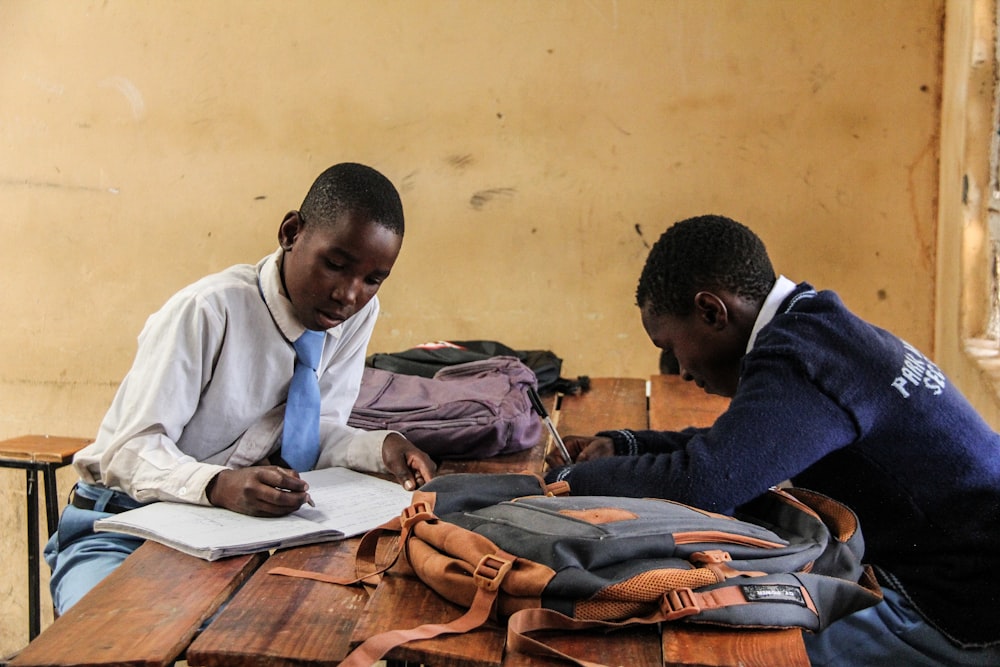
80 558
890 633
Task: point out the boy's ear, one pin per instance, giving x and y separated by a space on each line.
711 309
289 229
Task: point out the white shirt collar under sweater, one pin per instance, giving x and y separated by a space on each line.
782 288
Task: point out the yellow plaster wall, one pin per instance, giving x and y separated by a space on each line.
540 147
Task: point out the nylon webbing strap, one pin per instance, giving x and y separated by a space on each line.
526 620
315 576
372 649
684 602
367 570
675 605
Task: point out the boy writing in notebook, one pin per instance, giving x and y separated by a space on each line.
836 405
245 378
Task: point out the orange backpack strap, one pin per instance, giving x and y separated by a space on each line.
488 576
367 568
526 620
840 519
674 605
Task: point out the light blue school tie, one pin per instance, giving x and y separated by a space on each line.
300 435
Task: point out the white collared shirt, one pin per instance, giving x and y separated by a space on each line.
782 288
208 386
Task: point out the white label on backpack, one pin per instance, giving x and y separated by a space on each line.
773 593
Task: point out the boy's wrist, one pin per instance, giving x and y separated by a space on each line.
624 440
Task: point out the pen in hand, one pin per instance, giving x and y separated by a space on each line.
309 500
292 475
536 403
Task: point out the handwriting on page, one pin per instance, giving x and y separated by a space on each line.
352 503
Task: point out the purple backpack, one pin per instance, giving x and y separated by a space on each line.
466 411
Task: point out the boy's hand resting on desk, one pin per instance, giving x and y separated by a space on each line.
258 491
582 448
411 465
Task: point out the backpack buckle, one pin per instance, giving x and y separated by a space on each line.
678 603
560 488
418 511
710 557
490 571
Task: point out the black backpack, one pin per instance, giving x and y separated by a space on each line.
427 359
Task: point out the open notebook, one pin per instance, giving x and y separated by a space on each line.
348 503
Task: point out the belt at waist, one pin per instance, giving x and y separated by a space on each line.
80 502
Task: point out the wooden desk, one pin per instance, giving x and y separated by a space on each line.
283 621
144 613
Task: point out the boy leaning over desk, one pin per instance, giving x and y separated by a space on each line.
836 405
201 416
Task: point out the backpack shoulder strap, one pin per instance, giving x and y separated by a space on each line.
488 576
368 570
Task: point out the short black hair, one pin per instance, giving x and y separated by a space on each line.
356 188
703 253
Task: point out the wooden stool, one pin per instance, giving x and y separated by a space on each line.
34 454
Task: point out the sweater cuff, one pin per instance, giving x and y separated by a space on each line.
624 441
558 474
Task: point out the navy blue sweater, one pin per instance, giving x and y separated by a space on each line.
843 407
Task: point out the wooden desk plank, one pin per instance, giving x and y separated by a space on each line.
675 404
611 403
714 647
144 613
277 620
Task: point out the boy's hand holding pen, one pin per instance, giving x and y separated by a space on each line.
536 403
266 490
290 480
309 500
